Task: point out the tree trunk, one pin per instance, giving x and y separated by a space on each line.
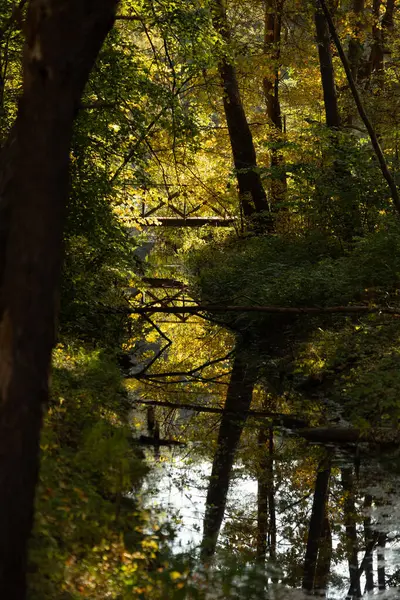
272 43
379 34
351 532
251 192
355 46
238 399
315 529
326 68
347 210
368 538
62 42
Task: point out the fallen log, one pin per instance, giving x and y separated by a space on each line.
350 435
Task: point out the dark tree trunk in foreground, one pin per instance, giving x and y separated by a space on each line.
368 538
315 529
351 532
251 191
272 50
62 42
239 396
326 68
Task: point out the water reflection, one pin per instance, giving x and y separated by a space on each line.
337 533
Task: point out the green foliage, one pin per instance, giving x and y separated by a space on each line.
336 187
92 537
308 270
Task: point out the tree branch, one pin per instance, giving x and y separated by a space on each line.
282 310
278 418
208 363
128 18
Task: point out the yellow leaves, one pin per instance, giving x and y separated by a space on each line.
175 575
150 544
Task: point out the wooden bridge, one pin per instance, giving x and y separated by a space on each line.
184 216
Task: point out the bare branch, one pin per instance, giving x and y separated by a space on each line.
159 353
277 418
190 372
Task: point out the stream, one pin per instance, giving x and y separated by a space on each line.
177 486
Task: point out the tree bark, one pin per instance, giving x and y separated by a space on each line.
62 43
351 532
315 529
238 400
251 191
272 50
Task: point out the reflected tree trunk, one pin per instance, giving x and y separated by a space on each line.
266 506
368 538
238 399
262 497
315 530
351 532
62 43
251 191
271 499
381 561
324 560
